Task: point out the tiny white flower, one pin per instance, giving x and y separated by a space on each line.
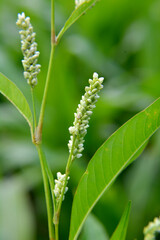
79 2
95 75
80 145
89 112
72 130
101 79
89 100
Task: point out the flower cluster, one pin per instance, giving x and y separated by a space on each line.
152 231
29 49
79 2
82 116
59 185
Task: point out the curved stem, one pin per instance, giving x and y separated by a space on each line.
47 193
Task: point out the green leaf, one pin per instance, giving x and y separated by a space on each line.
93 229
110 160
76 14
121 230
138 153
16 97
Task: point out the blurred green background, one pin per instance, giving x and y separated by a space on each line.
120 40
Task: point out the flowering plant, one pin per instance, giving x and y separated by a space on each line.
117 152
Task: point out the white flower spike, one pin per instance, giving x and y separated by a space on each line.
82 116
29 49
59 184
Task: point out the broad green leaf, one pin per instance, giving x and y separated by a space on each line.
110 160
16 97
121 230
79 11
93 229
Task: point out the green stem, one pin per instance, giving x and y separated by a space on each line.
70 156
52 23
50 67
56 231
41 117
44 166
34 109
58 208
47 193
51 182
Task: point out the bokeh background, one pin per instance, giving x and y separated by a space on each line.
120 40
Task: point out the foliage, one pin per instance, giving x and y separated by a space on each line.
122 44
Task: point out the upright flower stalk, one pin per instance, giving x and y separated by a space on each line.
29 49
75 145
31 70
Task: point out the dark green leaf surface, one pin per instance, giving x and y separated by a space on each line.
16 97
121 230
79 11
110 160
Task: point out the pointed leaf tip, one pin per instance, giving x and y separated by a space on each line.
121 230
